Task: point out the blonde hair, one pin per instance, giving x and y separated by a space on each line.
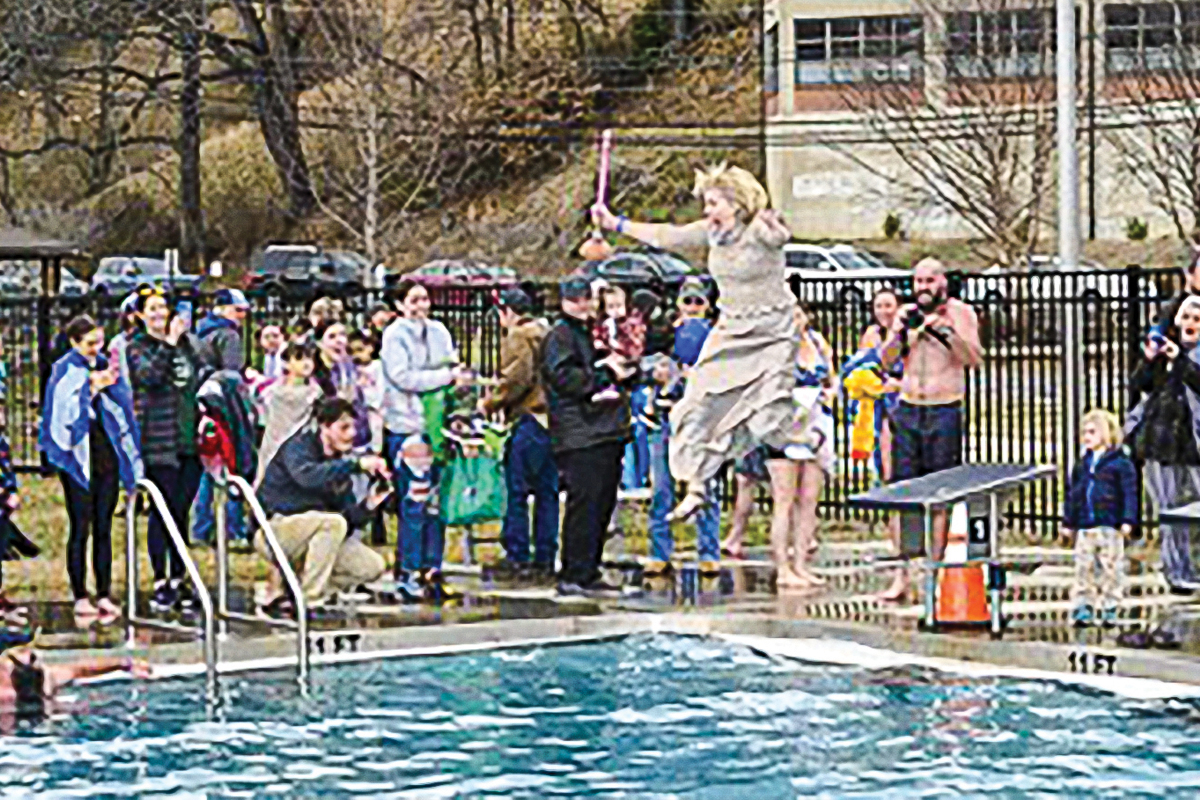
748 194
1105 421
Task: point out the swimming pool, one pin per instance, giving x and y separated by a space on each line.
648 716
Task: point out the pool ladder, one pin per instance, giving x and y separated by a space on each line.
231 483
208 632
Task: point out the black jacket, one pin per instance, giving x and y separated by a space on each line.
302 478
569 377
1166 432
1103 494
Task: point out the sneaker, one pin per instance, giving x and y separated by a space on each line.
279 608
508 570
1108 617
609 394
600 589
642 495
164 598
408 589
567 589
1082 616
185 597
437 591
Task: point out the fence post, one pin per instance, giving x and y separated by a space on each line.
45 349
1071 346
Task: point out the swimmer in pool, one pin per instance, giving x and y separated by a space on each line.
28 686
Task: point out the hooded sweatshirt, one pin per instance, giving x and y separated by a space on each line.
220 345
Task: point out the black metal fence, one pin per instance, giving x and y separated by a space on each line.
1020 403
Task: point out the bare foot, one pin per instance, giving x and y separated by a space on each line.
786 578
897 591
733 548
809 577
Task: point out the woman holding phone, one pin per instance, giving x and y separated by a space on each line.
90 435
164 374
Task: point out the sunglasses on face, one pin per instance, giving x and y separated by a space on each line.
695 301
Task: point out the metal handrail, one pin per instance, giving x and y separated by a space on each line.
281 561
209 632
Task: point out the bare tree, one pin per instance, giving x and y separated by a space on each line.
1155 81
969 119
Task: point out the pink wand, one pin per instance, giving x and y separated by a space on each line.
596 248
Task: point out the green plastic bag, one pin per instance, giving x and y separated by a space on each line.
473 491
434 405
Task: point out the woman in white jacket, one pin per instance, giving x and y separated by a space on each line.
418 357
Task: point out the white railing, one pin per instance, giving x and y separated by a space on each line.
208 633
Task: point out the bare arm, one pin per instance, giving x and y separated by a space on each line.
964 337
664 236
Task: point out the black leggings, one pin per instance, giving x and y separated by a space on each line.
178 485
90 513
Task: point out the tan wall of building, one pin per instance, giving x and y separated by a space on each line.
826 192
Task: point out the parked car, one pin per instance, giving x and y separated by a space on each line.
861 273
458 272
305 269
72 285
25 278
120 275
641 266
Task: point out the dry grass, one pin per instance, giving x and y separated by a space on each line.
43 518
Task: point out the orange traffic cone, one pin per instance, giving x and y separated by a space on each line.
961 597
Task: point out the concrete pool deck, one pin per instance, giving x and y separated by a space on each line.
740 603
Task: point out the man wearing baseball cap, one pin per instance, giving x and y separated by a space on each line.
529 463
588 438
220 348
220 333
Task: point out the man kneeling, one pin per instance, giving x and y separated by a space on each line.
306 491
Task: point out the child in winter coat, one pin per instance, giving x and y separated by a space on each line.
1101 511
288 403
421 538
622 332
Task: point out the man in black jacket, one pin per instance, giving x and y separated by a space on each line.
306 491
588 438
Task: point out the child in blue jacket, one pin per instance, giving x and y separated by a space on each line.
1101 511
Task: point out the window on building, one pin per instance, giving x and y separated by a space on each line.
1151 36
1001 44
771 59
859 50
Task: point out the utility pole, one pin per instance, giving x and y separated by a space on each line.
191 219
1068 215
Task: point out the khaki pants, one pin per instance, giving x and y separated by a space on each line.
1099 568
325 559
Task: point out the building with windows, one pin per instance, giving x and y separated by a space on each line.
835 68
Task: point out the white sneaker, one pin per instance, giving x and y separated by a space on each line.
85 608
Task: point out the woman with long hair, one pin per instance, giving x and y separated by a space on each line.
164 374
90 436
739 394
336 374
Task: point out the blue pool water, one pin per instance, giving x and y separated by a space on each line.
644 717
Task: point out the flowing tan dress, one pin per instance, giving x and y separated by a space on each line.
739 395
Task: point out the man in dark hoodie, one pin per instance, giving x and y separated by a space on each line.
219 338
588 438
307 492
220 333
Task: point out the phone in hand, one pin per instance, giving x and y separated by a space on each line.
183 310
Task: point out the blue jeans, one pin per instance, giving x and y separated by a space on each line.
421 538
421 535
635 467
708 519
529 469
205 522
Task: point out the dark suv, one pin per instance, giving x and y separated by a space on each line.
302 269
